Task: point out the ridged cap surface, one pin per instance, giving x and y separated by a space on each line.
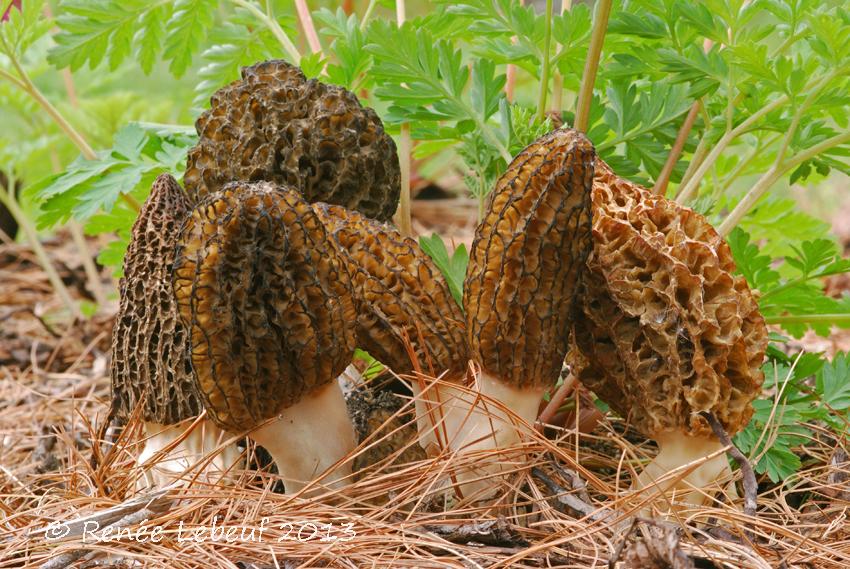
527 261
667 330
275 125
267 300
398 292
150 349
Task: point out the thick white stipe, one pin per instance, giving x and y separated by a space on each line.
309 437
196 447
447 416
676 450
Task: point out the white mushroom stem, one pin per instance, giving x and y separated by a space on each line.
171 451
309 438
697 473
492 415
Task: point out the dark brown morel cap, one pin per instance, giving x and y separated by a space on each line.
666 329
399 293
275 125
150 349
527 259
269 305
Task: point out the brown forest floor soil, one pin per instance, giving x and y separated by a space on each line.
58 463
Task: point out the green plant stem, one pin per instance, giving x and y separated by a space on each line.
275 28
794 282
743 164
86 257
404 150
558 81
660 187
591 64
699 155
307 24
368 13
837 319
87 260
24 82
810 153
510 72
689 189
772 176
24 222
482 199
33 91
814 87
405 223
488 134
798 115
544 74
510 81
12 79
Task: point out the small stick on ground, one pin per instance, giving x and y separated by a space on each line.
578 485
564 498
750 484
493 532
62 561
618 551
123 513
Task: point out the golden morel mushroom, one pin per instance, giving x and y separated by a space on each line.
150 365
401 298
666 331
399 293
275 125
522 282
269 307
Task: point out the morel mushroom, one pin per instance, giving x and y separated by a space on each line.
275 125
269 307
399 294
401 298
666 331
523 278
151 367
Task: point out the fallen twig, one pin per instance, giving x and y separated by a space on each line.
618 551
564 498
493 532
749 476
150 503
131 519
578 485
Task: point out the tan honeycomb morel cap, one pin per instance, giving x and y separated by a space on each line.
150 344
275 125
268 302
666 330
527 259
399 293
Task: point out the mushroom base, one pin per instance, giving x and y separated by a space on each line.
196 447
309 438
461 421
675 451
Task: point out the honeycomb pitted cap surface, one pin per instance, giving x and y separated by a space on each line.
277 126
399 294
268 302
527 260
666 329
150 345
